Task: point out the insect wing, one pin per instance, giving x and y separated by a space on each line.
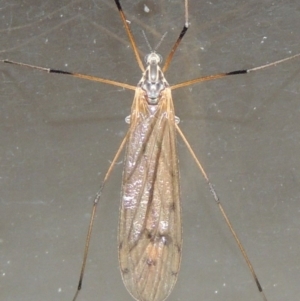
150 234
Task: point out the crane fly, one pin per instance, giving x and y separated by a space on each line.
150 232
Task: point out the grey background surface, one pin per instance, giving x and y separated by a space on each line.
59 134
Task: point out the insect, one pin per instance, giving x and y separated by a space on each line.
162 123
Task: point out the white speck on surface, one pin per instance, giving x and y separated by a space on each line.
263 40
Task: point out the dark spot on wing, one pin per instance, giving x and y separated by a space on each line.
151 262
157 238
178 248
173 207
125 271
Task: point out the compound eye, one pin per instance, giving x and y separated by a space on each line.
146 58
160 58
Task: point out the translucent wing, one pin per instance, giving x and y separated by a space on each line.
150 223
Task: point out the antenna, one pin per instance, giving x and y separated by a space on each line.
158 44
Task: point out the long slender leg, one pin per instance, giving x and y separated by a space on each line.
181 35
228 222
130 36
73 74
95 203
236 72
